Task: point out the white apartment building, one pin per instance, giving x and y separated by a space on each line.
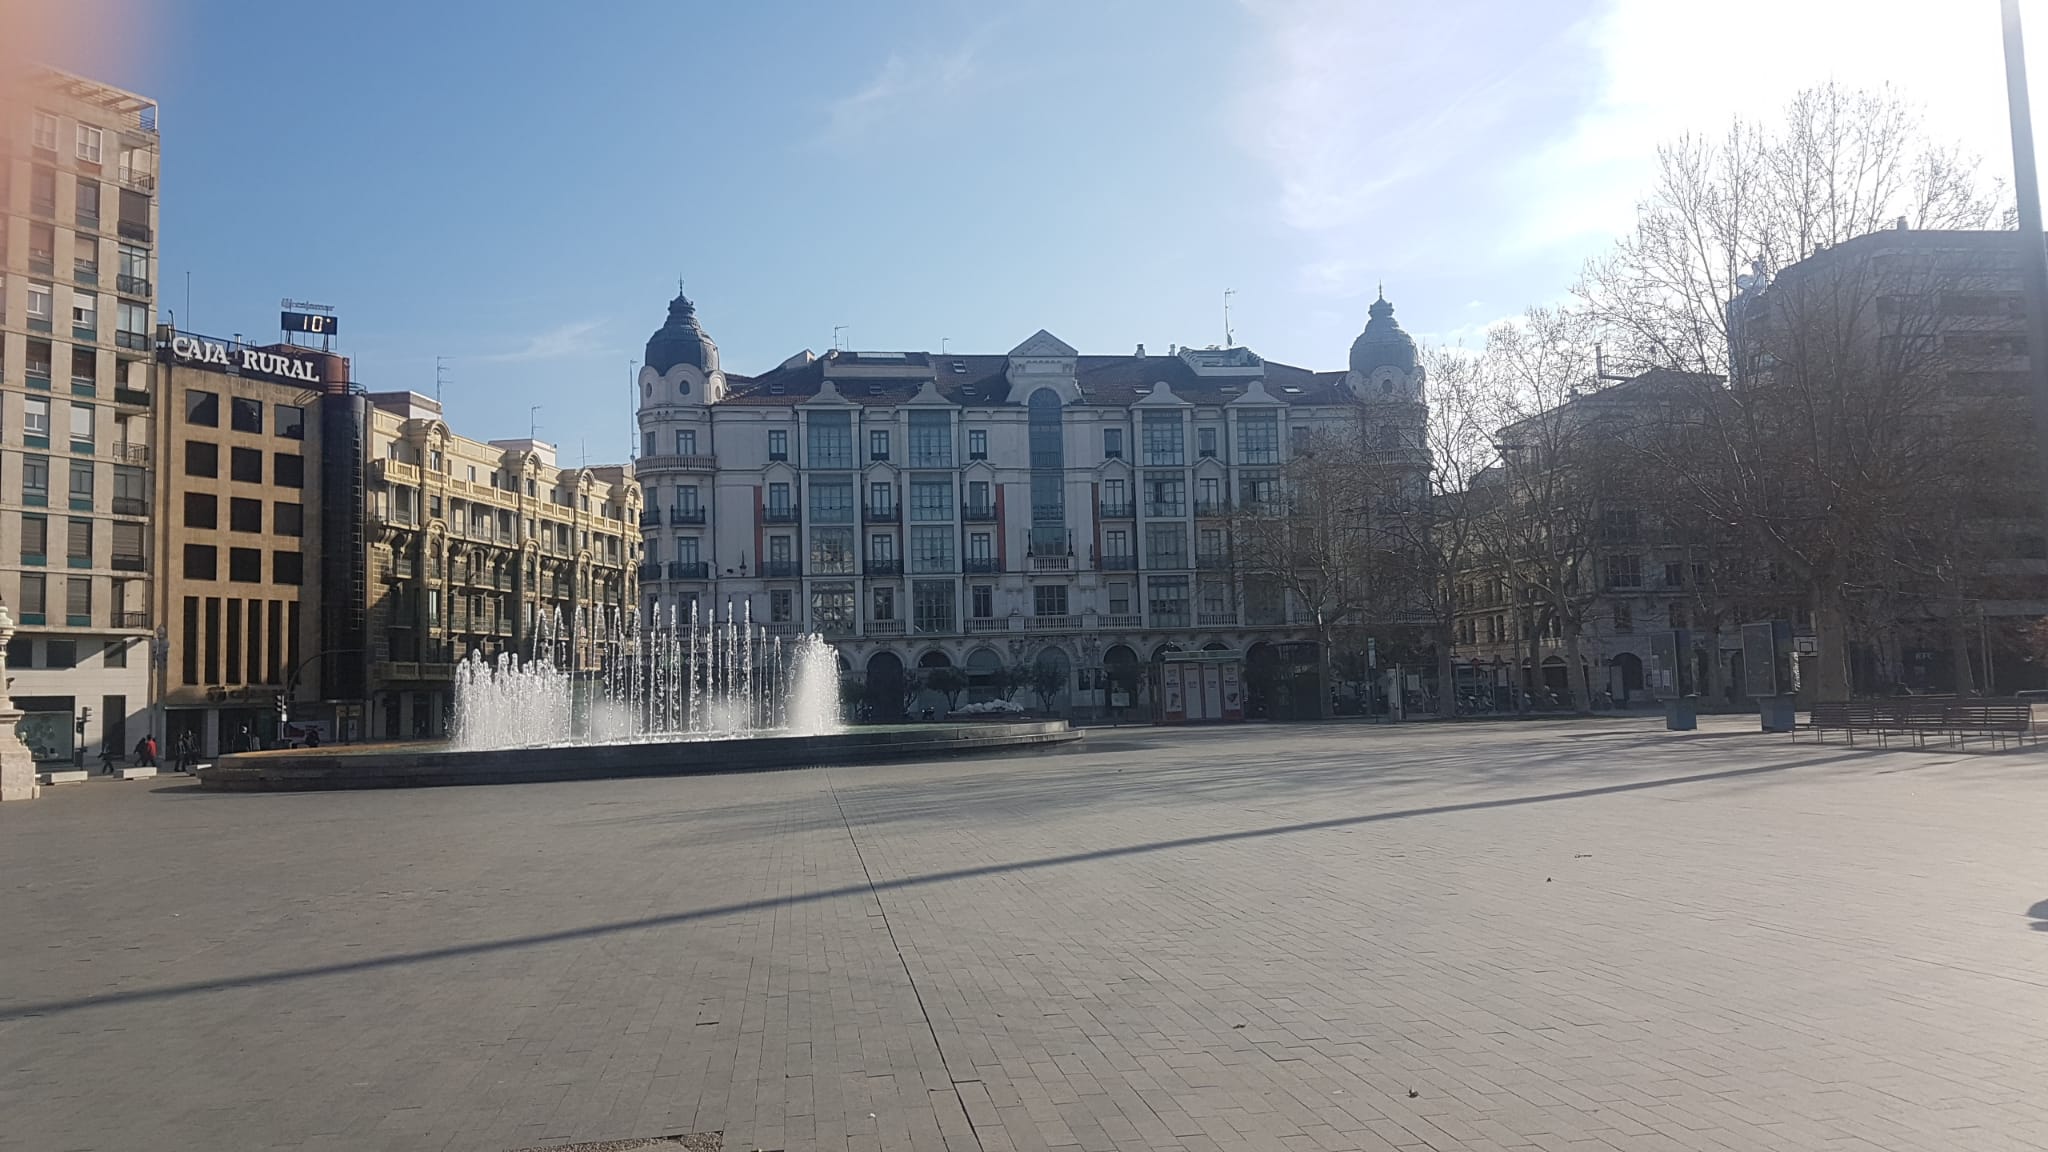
1038 506
78 215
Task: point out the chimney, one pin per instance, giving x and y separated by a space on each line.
1140 353
1901 225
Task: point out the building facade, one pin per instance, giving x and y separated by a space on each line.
480 547
981 511
78 233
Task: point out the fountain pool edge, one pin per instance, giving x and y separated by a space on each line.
427 765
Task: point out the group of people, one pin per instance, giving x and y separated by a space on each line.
146 752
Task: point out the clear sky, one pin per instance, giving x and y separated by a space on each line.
517 186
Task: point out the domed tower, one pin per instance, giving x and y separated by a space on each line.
682 362
677 462
1384 367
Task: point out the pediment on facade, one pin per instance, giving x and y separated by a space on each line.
1161 396
1255 395
1043 343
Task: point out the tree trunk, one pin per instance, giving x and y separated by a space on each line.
1831 635
1959 644
1532 675
1716 688
1446 674
1574 666
1326 668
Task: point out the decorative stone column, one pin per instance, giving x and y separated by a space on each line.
17 763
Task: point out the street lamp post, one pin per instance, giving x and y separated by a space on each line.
2033 253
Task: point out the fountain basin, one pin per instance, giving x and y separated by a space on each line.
425 764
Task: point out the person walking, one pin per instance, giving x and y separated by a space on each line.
107 758
148 751
184 753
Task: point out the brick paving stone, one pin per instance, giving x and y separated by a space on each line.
1587 936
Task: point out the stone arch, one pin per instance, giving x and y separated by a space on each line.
935 659
982 666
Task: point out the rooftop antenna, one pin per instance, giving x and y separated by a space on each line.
836 330
632 401
440 376
942 344
533 422
1227 294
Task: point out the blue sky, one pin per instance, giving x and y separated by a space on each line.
517 187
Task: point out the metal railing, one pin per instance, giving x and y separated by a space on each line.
885 627
689 570
128 285
1052 563
978 513
888 566
781 569
1051 623
982 565
686 516
1123 511
1124 562
790 515
1120 620
870 514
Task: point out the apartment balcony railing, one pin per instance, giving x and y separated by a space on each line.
131 285
85 273
1051 623
128 453
686 516
1123 511
650 518
1166 562
1121 620
1217 619
689 570
982 565
130 397
1122 562
130 506
781 569
1052 563
887 566
128 619
978 513
885 627
672 462
130 564
650 570
790 515
1157 510
870 514
132 230
989 624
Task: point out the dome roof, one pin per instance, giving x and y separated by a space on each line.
681 340
1382 343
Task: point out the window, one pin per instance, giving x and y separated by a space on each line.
1049 600
931 439
131 325
287 568
1117 543
291 424
832 608
686 498
977 444
81 485
1165 495
1169 601
878 444
243 515
201 510
1119 599
288 470
984 601
778 499
931 498
89 139
60 653
781 606
42 309
778 549
832 501
202 408
1112 443
245 565
1166 546
881 500
1674 574
42 132
85 314
245 465
85 259
1209 544
81 427
35 539
1208 496
115 654
35 419
884 600
931 549
244 414
1258 490
134 266
34 597
1163 441
686 442
778 444
980 547
42 190
831 551
201 562
201 458
831 440
35 480
931 606
1624 618
1297 439
78 600
435 461
78 543
88 200
978 498
1624 571
651 443
1205 442
882 548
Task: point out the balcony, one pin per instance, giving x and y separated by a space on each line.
889 566
890 515
982 514
1169 620
135 341
1217 619
1121 620
1212 509
1052 563
1154 510
1166 562
384 470
84 386
780 516
140 181
132 230
1051 623
783 628
130 453
650 518
686 516
85 273
130 506
989 624
1119 563
982 565
650 570
933 566
129 619
885 627
128 285
689 570
1123 511
412 670
673 463
42 262
129 564
781 569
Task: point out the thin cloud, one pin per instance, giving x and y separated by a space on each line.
902 87
560 342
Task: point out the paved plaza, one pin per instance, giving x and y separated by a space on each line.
1583 935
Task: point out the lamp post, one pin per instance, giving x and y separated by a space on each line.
17 763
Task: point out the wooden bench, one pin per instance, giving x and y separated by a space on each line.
1922 716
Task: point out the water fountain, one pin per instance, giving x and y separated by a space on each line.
603 696
675 678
